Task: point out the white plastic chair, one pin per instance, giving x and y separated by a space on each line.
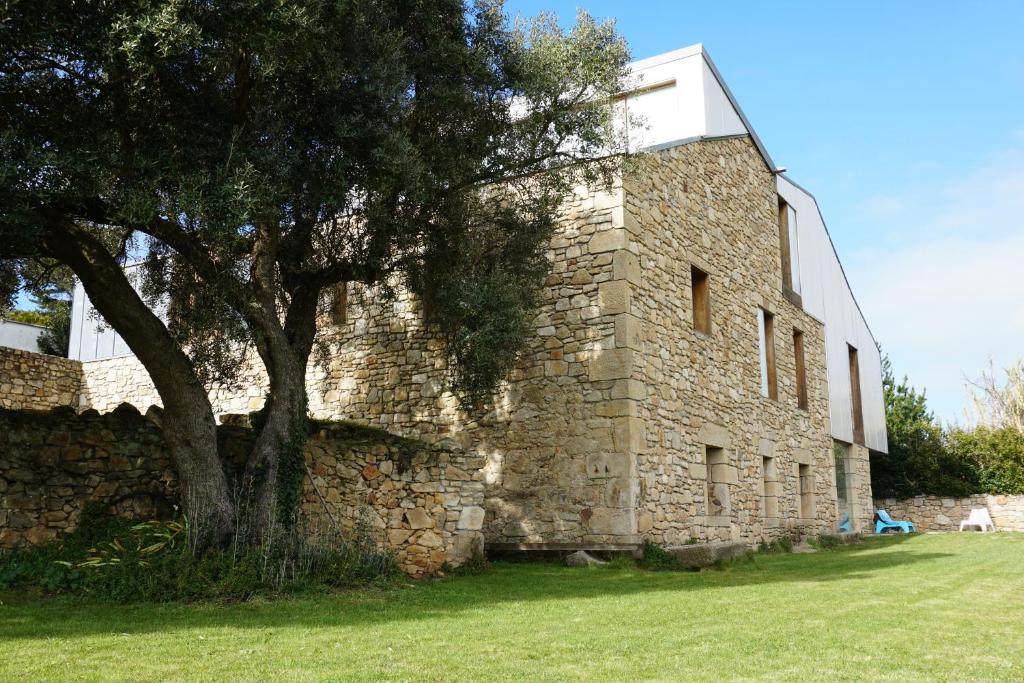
979 517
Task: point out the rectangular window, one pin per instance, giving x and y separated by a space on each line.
769 488
721 473
701 290
339 306
766 335
788 247
801 370
844 488
855 400
806 487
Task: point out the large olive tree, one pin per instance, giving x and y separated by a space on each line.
259 153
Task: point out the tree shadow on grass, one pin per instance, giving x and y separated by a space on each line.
26 617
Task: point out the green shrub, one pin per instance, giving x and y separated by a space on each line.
781 545
657 558
826 542
996 453
116 560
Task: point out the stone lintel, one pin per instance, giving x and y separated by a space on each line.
714 435
802 456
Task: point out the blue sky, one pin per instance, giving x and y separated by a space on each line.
906 120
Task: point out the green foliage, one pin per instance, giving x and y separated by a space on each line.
918 461
27 317
656 558
826 542
997 455
778 546
116 560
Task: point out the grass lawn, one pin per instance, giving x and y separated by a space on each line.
924 608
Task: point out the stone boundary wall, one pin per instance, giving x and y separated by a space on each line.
933 513
423 501
35 381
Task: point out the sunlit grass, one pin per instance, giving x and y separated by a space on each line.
925 608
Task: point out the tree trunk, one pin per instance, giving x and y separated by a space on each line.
188 424
276 467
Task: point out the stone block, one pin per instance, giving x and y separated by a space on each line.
581 558
628 331
608 240
629 436
712 434
607 465
612 521
611 364
701 555
629 388
626 266
419 519
471 518
614 297
723 473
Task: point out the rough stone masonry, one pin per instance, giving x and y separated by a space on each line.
621 421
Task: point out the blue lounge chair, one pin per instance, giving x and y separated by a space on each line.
884 522
844 524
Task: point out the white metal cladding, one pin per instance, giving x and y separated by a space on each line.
827 296
679 96
15 335
91 337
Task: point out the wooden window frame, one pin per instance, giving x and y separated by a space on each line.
770 382
700 297
856 402
801 369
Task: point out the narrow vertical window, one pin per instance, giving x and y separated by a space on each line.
801 370
855 400
339 307
766 334
788 247
701 290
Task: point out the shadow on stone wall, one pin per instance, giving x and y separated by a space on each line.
424 501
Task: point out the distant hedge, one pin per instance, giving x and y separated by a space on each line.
954 463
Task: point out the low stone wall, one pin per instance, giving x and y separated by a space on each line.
424 501
34 381
932 513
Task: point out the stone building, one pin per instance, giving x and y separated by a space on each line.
700 368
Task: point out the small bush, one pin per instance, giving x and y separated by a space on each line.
116 560
657 558
781 545
826 542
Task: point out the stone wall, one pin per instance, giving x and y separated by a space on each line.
933 513
599 434
34 381
383 366
424 501
713 205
